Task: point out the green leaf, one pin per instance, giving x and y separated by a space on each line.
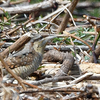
41 67
1 27
2 18
7 23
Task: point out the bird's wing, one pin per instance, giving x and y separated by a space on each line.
17 61
21 58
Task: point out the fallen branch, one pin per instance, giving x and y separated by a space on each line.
15 29
5 4
66 58
87 4
54 79
60 47
50 15
55 90
94 77
30 85
81 78
97 50
67 16
29 8
77 39
14 47
18 44
17 2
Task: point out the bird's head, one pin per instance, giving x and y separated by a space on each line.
39 45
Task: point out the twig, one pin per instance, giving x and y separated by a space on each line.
97 51
46 80
17 2
1 43
65 87
11 72
94 77
5 4
31 85
67 16
12 17
61 47
77 80
50 15
97 36
94 46
29 8
77 39
54 18
55 90
84 52
71 16
19 43
86 4
96 18
15 29
91 33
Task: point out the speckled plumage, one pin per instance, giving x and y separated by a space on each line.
26 63
24 71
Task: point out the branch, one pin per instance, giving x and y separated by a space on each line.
77 80
77 39
19 43
67 16
29 8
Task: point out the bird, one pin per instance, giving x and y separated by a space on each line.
28 62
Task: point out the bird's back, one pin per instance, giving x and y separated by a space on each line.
24 71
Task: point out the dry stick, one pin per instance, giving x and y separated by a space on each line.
73 46
29 8
69 29
31 85
12 31
17 2
19 43
91 33
5 4
53 90
66 65
57 16
1 43
47 80
61 47
15 29
94 46
94 77
97 51
96 18
50 15
71 16
11 72
86 4
77 80
77 39
67 16
97 36
12 17
54 17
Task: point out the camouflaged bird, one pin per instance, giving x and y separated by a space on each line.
26 61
